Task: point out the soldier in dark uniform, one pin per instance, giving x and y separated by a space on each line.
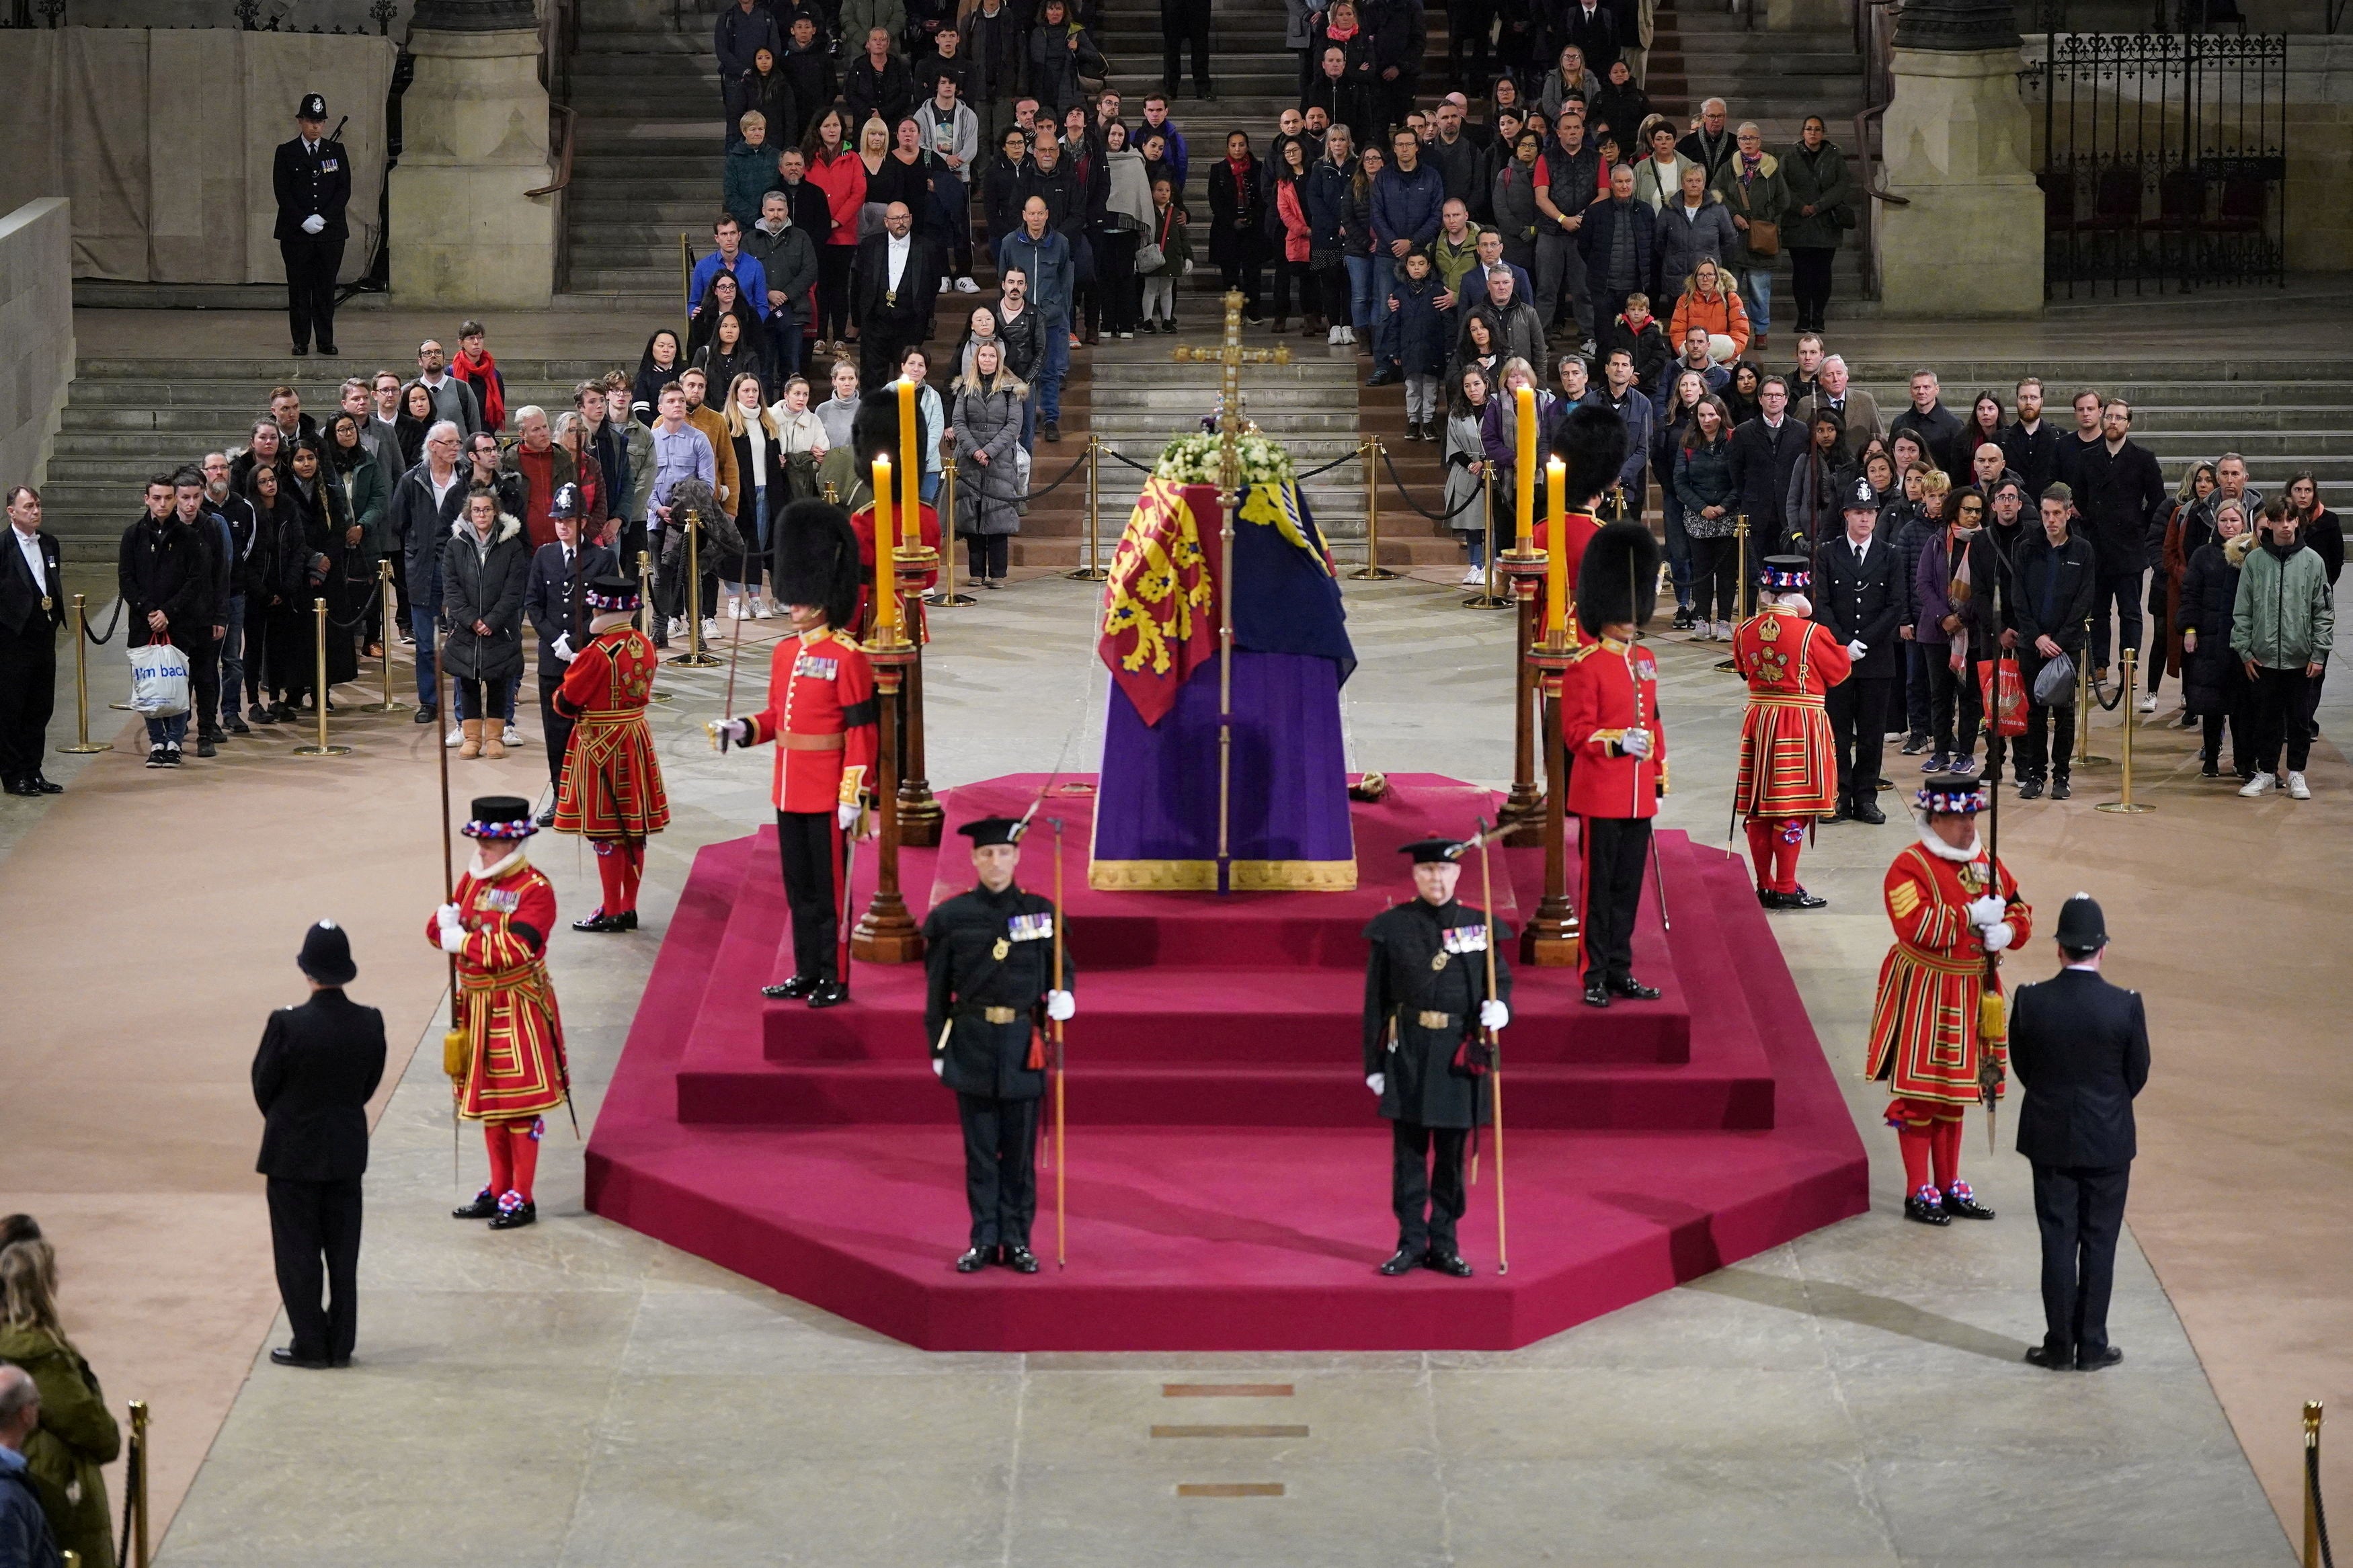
989 956
1426 1002
312 175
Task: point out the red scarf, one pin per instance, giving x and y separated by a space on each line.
1337 35
482 374
1241 168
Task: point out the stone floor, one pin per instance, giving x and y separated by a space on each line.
1855 1397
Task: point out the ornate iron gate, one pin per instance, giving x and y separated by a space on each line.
2164 160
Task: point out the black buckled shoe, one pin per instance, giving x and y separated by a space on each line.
1628 986
1866 811
1802 899
1405 1261
43 784
1962 1204
792 990
1927 1206
626 920
827 994
1020 1260
1596 993
2050 1358
1448 1263
515 1219
1767 899
484 1207
974 1259
598 921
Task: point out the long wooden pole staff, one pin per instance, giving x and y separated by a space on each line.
448 875
1061 1160
1989 990
1495 1047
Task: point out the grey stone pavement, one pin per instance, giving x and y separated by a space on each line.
578 1394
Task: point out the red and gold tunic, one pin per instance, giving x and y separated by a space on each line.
1924 1026
1612 688
1578 528
861 524
821 713
1788 766
515 1065
612 784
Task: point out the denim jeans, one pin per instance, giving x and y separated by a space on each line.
1053 363
1679 551
167 732
1756 293
1360 291
232 660
930 489
421 623
783 342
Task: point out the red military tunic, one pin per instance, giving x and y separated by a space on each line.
1578 529
861 524
515 1068
821 714
1612 688
612 784
1788 766
1925 1030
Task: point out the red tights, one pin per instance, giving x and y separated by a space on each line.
620 866
1773 845
514 1155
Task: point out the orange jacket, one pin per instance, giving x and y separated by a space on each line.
1724 314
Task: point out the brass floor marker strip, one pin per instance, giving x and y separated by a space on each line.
1230 1431
1230 1489
1225 1391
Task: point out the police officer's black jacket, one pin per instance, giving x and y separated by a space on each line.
306 183
311 1077
1428 958
989 949
2079 1047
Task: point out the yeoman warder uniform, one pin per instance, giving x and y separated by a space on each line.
1610 726
1938 1016
1426 1004
507 1056
612 791
988 958
1788 764
312 175
821 714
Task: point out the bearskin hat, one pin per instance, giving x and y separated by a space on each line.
1619 578
1592 442
817 560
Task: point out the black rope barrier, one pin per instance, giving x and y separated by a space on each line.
1146 467
1406 496
1131 462
111 622
1076 464
2320 1511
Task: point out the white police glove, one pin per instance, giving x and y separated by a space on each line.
1635 742
562 648
1061 1005
1997 936
1376 1083
939 1066
1985 911
1494 1013
846 814
1857 649
313 224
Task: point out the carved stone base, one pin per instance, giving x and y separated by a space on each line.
885 933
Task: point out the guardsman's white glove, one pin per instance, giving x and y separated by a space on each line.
1985 911
1061 1005
1635 742
313 224
1376 1083
845 814
1494 1013
939 1066
1997 936
732 732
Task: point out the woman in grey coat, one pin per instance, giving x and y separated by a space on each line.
485 567
987 422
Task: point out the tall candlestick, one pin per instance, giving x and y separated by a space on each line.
910 469
1523 471
1555 542
886 568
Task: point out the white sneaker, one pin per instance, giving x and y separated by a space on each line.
2148 704
677 627
761 611
511 737
1348 336
457 735
1332 339
2255 787
736 608
946 283
709 629
966 286
1476 577
2296 788
1723 631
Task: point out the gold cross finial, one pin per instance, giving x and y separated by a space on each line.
1231 356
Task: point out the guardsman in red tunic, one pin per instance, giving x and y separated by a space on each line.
612 792
1938 1020
1788 764
1610 727
821 714
506 1059
874 433
1591 445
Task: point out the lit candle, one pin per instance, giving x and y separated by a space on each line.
886 572
1523 472
911 467
1556 539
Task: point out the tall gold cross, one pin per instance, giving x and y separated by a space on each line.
1232 356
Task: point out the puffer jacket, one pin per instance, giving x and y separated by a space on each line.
1702 477
486 586
2212 680
2283 616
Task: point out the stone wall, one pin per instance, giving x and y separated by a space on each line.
36 335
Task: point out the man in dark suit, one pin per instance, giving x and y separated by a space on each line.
1860 600
32 608
312 175
311 1077
553 599
893 280
1763 451
2080 1049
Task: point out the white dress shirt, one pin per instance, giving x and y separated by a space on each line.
29 544
900 247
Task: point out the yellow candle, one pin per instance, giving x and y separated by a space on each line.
886 574
1523 471
911 467
1556 531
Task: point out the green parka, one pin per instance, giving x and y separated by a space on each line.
76 1436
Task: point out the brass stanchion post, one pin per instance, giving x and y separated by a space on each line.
949 598
136 1484
1486 598
319 748
1372 571
646 611
696 655
1093 571
1740 583
2127 806
81 682
2311 1557
384 591
2087 704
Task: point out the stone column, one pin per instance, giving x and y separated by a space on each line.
1968 240
473 139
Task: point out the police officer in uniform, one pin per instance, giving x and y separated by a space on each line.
312 175
990 957
1426 1002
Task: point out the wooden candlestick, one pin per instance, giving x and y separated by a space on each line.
1521 816
885 933
919 813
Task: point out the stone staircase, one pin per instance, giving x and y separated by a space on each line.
646 166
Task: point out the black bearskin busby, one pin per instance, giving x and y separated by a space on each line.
1592 442
1618 579
874 429
817 560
